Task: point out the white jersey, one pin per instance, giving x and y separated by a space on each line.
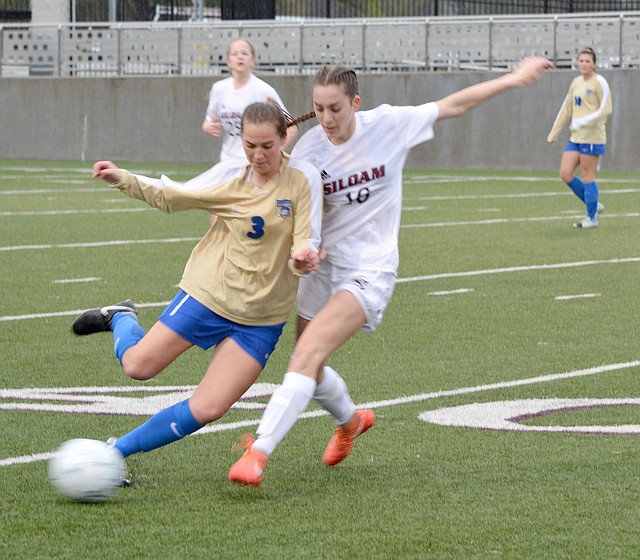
227 105
362 183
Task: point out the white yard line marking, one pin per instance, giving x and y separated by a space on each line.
577 296
508 221
52 191
428 179
502 385
516 269
75 212
98 244
69 313
190 239
75 280
512 195
450 292
220 427
465 274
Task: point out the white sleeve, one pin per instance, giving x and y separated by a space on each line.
579 123
414 124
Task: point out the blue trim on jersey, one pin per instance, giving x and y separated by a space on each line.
586 149
204 328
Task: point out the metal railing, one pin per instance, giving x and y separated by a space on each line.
300 47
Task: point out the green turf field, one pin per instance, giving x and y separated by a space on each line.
500 304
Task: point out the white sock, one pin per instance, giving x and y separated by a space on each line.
286 403
332 395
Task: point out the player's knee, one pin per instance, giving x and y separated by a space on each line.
137 368
307 358
208 412
566 176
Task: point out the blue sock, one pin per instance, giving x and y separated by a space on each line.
591 199
167 426
577 186
127 332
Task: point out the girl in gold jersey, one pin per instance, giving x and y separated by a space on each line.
586 107
239 285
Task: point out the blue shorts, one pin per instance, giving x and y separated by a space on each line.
204 328
585 149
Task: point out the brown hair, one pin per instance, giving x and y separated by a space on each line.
258 113
590 52
291 120
338 76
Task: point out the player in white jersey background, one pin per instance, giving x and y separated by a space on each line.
229 97
586 108
361 156
239 285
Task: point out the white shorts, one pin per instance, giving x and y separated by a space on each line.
372 289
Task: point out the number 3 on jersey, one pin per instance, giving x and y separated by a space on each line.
258 228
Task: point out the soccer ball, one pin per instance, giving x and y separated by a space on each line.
86 470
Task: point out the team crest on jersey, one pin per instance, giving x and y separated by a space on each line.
283 208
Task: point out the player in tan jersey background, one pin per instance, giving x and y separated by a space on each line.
586 107
239 285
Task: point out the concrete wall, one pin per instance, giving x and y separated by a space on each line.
158 119
49 11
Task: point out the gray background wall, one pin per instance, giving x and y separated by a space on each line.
157 119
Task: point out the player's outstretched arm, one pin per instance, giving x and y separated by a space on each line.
108 171
528 71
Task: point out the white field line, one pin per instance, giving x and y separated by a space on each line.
47 246
495 221
464 274
221 427
450 292
76 280
51 191
75 212
97 244
512 195
577 296
428 179
510 269
72 313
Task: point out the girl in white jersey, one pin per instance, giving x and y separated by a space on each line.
239 285
361 156
228 99
586 106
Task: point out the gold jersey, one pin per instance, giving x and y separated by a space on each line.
240 269
586 107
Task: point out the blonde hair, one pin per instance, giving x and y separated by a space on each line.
252 48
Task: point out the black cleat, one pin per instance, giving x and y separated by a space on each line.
125 481
99 319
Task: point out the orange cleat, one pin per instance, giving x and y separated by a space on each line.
344 437
248 469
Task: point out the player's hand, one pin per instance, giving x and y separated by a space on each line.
107 171
306 260
213 128
530 70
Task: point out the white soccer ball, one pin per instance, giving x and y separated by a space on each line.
86 470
